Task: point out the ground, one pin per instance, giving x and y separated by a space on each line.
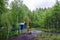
27 36
37 35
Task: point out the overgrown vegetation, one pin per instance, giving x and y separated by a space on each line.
47 18
48 36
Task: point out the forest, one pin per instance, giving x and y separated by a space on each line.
47 19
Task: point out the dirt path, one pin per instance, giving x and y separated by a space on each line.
23 37
27 36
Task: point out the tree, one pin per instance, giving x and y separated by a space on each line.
52 16
2 9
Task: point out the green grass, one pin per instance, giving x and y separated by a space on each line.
32 28
48 36
46 29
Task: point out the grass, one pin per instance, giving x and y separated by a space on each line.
48 36
46 29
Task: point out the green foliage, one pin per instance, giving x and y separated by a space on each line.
12 18
46 18
38 18
41 18
2 9
52 17
48 36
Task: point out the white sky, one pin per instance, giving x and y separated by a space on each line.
33 4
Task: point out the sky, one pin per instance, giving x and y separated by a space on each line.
33 4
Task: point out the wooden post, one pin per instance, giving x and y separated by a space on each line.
27 21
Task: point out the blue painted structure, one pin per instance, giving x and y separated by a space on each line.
22 26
